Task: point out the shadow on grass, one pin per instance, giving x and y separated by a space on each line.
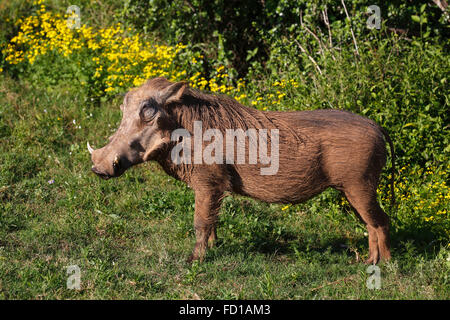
421 240
289 243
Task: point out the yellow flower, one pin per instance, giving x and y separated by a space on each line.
120 59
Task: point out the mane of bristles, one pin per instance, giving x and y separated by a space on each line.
217 112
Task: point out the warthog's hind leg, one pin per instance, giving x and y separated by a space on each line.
364 201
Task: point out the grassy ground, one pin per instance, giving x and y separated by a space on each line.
130 236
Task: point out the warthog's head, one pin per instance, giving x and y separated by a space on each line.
144 131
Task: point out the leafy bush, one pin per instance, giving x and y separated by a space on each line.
236 33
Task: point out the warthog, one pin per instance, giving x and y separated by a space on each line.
316 150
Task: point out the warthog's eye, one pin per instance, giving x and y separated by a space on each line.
148 110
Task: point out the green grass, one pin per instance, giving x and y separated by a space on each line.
131 236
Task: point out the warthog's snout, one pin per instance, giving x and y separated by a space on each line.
100 174
105 165
94 169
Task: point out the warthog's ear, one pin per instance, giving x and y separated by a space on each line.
173 93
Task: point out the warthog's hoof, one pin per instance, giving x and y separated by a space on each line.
371 260
190 259
193 258
375 260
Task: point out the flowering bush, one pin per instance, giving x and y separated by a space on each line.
422 203
105 61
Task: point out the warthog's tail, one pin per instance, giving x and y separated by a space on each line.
391 146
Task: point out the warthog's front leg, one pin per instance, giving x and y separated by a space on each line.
207 204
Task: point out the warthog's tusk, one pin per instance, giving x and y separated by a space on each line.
116 161
90 148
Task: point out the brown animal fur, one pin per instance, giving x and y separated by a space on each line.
317 150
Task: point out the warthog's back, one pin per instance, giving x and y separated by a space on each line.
317 149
